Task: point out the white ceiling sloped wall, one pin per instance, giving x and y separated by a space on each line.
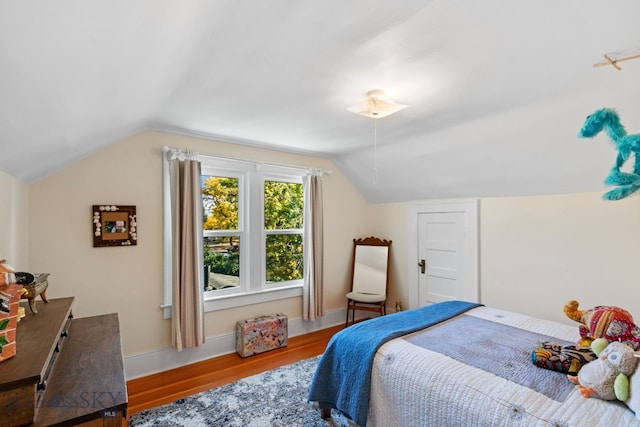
497 90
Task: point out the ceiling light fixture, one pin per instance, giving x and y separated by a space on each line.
376 107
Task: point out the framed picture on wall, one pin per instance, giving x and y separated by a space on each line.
114 225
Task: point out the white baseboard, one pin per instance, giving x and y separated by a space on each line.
161 360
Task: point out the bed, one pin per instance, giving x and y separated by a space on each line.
455 364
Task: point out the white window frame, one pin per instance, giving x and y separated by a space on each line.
215 168
269 175
253 288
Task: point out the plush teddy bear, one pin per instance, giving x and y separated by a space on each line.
608 376
611 323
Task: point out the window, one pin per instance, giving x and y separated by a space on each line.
252 232
283 222
221 234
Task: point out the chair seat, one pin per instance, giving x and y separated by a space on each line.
366 298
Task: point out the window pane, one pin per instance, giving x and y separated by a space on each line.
284 257
283 205
220 202
221 262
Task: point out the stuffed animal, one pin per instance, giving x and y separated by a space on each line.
567 359
611 323
627 183
608 376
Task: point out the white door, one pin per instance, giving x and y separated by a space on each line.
441 251
447 242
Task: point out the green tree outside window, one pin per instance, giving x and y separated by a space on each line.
283 214
283 222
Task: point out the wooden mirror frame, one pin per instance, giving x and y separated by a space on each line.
357 305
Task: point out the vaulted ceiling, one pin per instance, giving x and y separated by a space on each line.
497 90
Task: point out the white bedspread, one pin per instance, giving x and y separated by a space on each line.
412 386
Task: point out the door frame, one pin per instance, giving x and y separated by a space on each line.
467 206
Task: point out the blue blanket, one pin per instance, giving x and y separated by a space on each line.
343 377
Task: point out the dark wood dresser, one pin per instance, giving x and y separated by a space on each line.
65 372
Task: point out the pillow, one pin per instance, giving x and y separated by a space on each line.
633 402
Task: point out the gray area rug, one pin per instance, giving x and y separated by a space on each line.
271 399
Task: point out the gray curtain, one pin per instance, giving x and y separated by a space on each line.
312 294
187 308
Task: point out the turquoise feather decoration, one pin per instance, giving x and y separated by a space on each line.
626 183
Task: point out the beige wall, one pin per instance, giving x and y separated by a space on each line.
14 224
389 221
129 280
537 253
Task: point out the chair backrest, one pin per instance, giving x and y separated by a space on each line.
370 273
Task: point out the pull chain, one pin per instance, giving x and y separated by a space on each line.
375 150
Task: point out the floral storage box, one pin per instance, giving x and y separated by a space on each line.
261 334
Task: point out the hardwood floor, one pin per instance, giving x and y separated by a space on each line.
165 387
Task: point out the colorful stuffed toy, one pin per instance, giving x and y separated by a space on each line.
627 183
611 323
608 376
567 359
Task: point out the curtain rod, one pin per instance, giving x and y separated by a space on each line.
257 164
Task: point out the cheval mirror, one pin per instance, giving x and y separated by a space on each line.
369 276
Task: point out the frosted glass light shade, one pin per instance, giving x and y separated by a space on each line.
376 106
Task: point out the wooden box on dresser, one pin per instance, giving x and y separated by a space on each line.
65 372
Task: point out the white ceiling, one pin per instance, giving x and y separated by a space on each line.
497 89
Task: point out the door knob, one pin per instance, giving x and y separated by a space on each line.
422 264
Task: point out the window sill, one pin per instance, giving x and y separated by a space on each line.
239 300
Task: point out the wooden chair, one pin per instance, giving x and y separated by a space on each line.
369 276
